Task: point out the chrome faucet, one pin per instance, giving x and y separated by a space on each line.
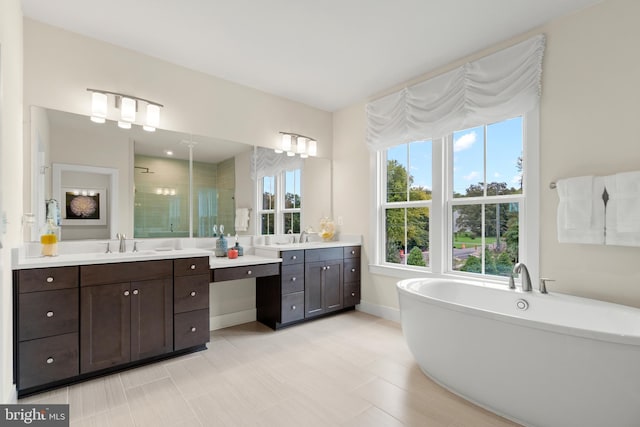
526 279
123 244
304 237
293 238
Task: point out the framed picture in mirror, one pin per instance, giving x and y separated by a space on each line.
84 206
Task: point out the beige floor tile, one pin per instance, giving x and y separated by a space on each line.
292 413
373 417
257 387
193 376
158 404
143 375
224 407
96 396
59 396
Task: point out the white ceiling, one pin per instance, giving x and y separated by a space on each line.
324 53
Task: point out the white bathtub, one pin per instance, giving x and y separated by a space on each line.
565 361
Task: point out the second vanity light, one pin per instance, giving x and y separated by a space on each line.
128 106
292 144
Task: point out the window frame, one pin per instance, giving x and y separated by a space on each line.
440 214
280 208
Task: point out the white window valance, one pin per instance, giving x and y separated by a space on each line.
266 162
495 87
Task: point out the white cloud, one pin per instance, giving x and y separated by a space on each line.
516 179
465 141
497 175
472 175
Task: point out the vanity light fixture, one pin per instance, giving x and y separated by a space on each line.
293 143
128 106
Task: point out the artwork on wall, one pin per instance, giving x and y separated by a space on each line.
86 206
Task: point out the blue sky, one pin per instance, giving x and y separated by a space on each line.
504 146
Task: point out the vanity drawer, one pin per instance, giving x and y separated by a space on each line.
100 274
324 254
351 294
190 293
245 272
352 251
191 329
191 266
352 270
292 257
42 314
46 279
48 359
292 278
292 307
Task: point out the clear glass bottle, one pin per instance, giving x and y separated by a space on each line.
49 240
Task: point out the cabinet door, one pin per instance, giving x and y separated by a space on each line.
105 325
313 276
332 286
151 318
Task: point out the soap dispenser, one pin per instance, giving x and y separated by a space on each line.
221 244
238 247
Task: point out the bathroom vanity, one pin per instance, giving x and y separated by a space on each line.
83 315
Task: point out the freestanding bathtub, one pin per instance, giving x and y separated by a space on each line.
538 359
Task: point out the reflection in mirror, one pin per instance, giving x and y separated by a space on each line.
66 138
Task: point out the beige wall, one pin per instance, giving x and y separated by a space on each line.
10 169
589 112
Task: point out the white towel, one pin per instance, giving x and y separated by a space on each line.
580 216
242 219
623 209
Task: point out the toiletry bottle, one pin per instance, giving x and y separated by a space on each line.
238 247
49 240
221 246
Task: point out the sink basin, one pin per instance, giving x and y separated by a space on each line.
124 254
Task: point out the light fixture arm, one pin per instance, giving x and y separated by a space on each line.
118 94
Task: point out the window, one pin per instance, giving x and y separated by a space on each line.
457 204
280 204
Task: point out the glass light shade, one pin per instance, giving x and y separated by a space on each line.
301 145
124 125
153 115
278 151
148 128
128 109
286 142
98 107
312 149
304 156
290 153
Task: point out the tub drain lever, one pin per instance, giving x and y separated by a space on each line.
543 284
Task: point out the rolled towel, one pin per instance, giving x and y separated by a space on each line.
242 219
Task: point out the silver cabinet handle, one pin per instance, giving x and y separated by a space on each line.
293 307
353 294
135 292
193 293
193 329
49 313
193 266
293 279
49 279
353 252
249 272
294 257
328 267
324 268
353 270
126 293
49 360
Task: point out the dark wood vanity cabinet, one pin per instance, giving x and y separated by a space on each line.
191 302
126 313
46 325
311 283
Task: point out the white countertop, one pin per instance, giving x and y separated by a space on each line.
146 255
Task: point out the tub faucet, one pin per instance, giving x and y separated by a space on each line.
123 243
526 279
304 237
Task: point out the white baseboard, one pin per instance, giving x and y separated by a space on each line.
11 395
385 312
232 319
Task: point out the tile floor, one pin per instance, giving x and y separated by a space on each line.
352 369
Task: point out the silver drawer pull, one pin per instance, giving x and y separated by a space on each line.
50 360
126 293
249 272
293 307
353 294
135 292
193 329
193 293
328 267
294 257
293 279
49 313
49 279
193 266
324 268
353 252
353 270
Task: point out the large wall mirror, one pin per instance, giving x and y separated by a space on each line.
148 184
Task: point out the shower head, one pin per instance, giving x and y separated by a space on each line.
144 170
